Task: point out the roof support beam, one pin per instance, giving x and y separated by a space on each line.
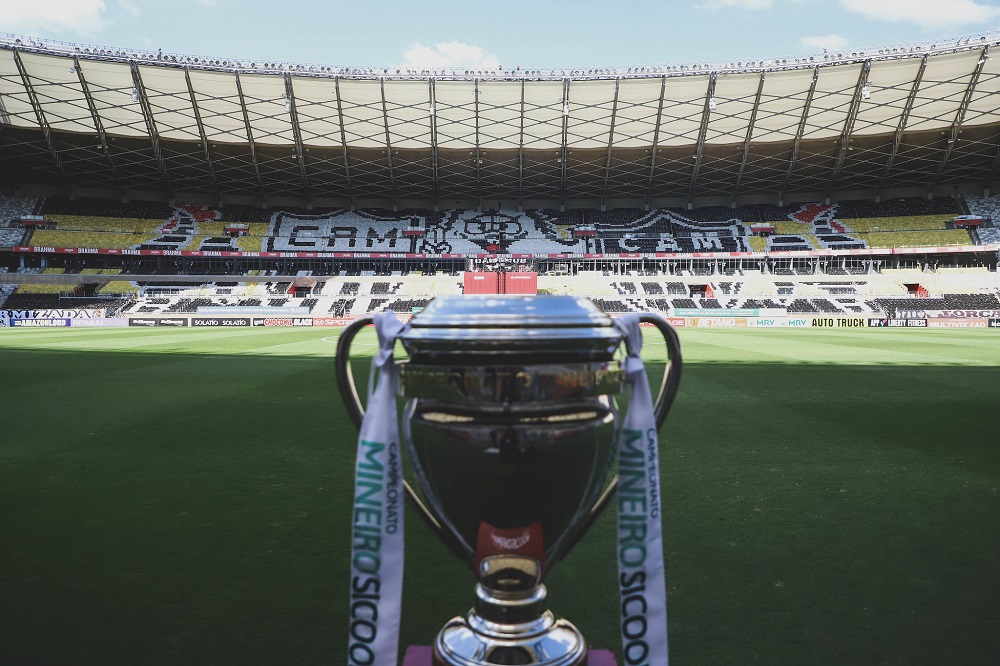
300 151
479 158
201 132
520 157
699 150
253 146
611 141
98 125
388 143
656 141
147 113
904 118
432 92
565 147
798 136
343 140
43 123
749 135
956 125
845 134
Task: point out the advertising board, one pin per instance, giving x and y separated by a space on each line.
942 322
768 322
158 321
40 323
477 282
282 321
838 322
520 283
885 322
99 322
326 321
220 321
994 323
717 322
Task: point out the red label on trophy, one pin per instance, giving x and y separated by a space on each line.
518 541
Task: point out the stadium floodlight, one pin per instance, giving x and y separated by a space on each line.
711 104
865 93
135 94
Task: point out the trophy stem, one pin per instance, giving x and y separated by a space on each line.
509 623
541 640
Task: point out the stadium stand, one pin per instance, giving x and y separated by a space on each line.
91 223
13 208
861 286
989 209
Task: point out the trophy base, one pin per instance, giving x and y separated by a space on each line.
423 655
474 641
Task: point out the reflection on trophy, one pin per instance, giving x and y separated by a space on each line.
510 428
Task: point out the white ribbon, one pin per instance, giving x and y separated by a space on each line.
640 543
377 533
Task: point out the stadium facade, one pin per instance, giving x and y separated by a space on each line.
912 120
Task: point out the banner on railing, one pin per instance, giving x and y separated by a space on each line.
93 313
783 254
716 312
947 314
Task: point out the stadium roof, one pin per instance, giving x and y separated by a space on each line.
89 117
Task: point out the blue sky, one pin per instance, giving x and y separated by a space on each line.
532 34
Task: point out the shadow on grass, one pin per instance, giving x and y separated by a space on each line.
184 508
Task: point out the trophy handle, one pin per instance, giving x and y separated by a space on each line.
356 410
668 391
671 372
345 378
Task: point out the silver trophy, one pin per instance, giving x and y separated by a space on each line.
509 427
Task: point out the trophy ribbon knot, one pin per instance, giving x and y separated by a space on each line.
642 587
377 530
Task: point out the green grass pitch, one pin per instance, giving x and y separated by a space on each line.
182 497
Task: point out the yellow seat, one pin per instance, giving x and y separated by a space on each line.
889 239
46 288
118 287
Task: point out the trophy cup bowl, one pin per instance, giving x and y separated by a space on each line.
509 426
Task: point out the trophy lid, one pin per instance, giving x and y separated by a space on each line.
508 329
